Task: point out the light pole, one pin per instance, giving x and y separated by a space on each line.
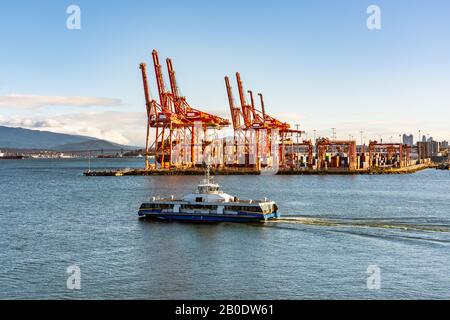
315 141
334 133
297 126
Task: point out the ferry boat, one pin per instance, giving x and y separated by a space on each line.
209 204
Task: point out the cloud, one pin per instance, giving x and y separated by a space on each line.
30 123
120 127
37 101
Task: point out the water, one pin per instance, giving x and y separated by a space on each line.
51 217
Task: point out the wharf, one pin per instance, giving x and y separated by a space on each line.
444 166
250 171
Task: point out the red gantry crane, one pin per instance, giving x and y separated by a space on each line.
389 154
339 149
174 121
259 121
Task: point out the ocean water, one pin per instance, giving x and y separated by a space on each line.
335 227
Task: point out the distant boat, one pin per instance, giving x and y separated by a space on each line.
64 156
106 156
209 204
5 157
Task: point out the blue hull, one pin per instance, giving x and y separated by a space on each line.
209 217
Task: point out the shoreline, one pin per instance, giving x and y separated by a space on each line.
250 171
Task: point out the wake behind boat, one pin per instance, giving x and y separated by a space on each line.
209 204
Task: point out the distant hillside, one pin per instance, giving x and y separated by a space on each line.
19 138
93 145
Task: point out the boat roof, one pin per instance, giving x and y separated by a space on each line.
237 202
242 204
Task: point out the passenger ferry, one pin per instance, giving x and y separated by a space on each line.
209 204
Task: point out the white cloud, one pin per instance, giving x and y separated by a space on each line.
29 123
120 127
38 101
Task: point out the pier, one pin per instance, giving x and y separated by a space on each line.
249 171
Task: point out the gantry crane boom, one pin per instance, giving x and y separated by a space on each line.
235 111
252 103
143 68
160 82
262 105
245 108
173 81
258 120
178 101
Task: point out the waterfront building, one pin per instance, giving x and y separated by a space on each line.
428 149
408 139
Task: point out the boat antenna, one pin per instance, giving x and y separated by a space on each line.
207 172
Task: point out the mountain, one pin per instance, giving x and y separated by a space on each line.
93 145
19 138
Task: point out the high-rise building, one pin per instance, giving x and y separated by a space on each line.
434 147
444 144
408 139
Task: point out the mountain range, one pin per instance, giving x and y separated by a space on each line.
20 138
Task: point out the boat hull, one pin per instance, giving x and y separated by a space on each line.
198 217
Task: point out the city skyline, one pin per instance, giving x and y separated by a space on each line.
318 65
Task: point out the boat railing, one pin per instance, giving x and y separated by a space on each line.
172 198
250 201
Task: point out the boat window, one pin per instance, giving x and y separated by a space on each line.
149 206
233 208
255 209
199 207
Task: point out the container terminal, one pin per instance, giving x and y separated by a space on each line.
177 135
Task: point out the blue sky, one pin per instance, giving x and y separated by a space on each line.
315 61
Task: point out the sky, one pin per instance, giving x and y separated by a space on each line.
316 62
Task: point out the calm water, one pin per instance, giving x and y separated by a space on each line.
51 217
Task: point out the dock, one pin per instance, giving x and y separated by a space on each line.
250 171
444 166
